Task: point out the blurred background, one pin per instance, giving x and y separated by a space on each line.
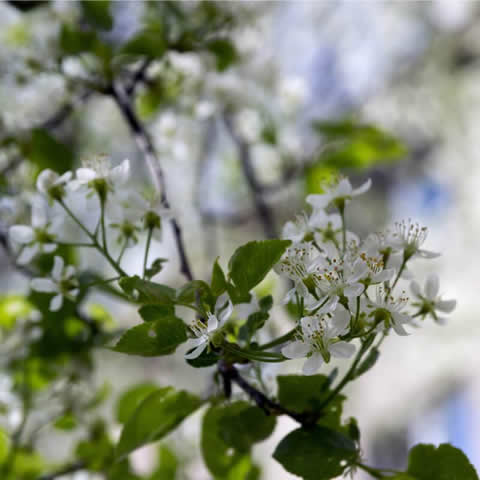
386 90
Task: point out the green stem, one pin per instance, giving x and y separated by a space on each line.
375 473
147 249
104 229
101 282
122 251
94 240
278 341
344 229
347 377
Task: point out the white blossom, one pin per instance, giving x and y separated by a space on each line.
342 191
48 182
408 237
429 301
204 332
62 282
319 340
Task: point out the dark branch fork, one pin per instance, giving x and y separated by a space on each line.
145 145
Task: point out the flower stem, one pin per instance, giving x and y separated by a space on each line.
147 249
278 341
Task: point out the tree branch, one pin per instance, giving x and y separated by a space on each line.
231 375
264 213
145 145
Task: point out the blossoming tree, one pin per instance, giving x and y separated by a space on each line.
344 293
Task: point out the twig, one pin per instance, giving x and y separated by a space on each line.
145 145
231 374
264 213
138 77
74 467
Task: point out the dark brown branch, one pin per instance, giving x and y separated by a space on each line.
74 467
145 145
231 375
264 213
138 77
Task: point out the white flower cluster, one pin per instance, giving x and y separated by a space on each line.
345 287
90 205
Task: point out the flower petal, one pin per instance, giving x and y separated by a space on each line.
362 188
353 290
197 351
45 285
343 189
342 349
85 175
432 286
21 234
415 288
57 269
296 349
27 254
428 254
446 306
119 175
340 321
319 201
46 179
212 323
312 364
56 303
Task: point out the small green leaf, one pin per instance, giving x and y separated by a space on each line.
98 13
189 292
445 462
73 41
368 363
205 359
167 465
159 413
254 322
251 262
302 393
154 338
131 399
316 453
4 445
148 292
66 422
149 42
244 424
266 303
155 267
224 51
219 282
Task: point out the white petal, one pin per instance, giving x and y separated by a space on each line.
296 349
432 286
44 285
46 179
39 213
56 303
119 175
312 364
399 330
383 276
21 233
74 292
441 320
49 247
342 349
362 188
446 306
225 314
85 175
27 254
70 271
343 189
64 178
212 323
415 288
340 321
319 201
196 352
353 290
57 269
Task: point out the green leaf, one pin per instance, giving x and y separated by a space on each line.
97 451
219 282
4 445
73 41
244 424
224 51
149 42
45 151
13 307
131 399
188 293
251 262
426 462
160 413
66 422
219 457
316 453
167 465
151 313
155 267
357 145
266 303
367 363
244 469
148 292
254 322
153 338
98 13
